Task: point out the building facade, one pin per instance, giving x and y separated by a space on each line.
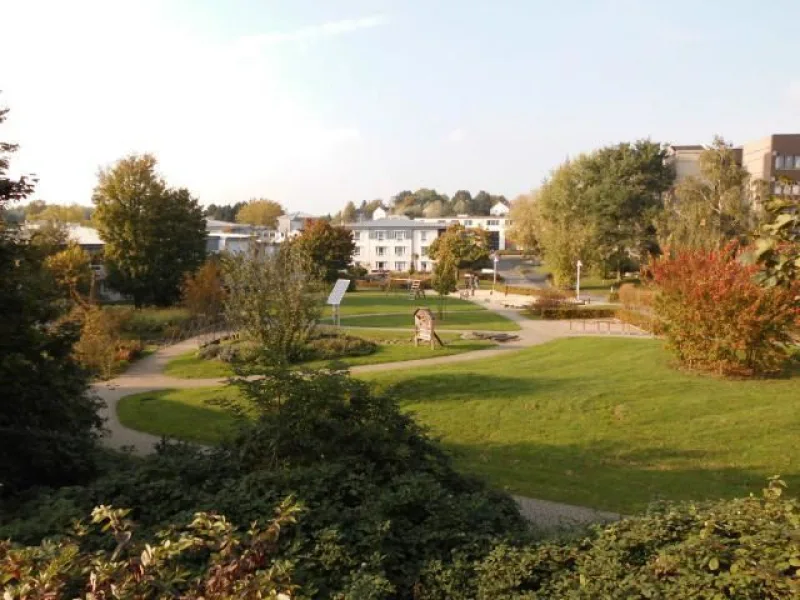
685 160
394 244
495 225
291 225
774 160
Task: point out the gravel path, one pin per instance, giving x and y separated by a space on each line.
147 375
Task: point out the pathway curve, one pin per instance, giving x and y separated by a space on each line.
146 375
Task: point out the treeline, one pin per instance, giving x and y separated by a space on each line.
615 207
424 203
256 211
39 210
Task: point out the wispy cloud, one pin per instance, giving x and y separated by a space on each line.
456 136
252 43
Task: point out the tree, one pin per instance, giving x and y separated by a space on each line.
73 213
523 230
444 280
466 248
708 211
330 247
96 348
482 203
349 213
72 270
274 300
224 212
153 235
49 425
260 211
461 203
434 209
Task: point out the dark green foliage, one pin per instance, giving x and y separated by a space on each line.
330 248
224 212
744 549
48 423
329 346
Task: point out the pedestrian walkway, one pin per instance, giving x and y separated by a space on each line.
146 375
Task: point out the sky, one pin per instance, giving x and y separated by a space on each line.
316 102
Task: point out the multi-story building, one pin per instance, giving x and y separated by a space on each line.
291 225
775 160
394 243
685 160
495 225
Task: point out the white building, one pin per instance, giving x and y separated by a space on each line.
495 225
499 210
379 213
394 244
291 225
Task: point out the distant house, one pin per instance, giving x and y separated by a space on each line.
379 213
499 210
291 225
394 243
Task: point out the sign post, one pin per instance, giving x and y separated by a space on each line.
579 264
424 329
335 298
496 260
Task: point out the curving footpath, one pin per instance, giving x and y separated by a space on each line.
146 375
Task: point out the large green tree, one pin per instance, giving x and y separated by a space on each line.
707 211
330 247
224 212
48 422
154 235
260 211
465 248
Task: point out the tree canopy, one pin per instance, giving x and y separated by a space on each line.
330 247
462 247
260 211
224 212
48 423
153 234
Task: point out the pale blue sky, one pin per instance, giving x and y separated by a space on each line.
315 102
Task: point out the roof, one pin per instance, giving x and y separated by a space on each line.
697 147
399 223
217 224
84 236
297 215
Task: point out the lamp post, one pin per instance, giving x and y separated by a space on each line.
495 259
579 264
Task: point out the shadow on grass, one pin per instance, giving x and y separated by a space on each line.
608 475
468 386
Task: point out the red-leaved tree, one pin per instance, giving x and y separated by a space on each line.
715 317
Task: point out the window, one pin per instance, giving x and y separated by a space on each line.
796 190
423 266
356 235
778 189
357 251
423 236
493 222
441 221
399 235
779 161
381 235
372 235
467 222
399 250
423 251
380 250
797 161
399 266
380 265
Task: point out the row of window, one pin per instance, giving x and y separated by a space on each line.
787 189
787 161
398 266
381 235
468 222
398 250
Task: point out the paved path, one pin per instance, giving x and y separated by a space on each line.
147 375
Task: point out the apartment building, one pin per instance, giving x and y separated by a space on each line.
775 160
394 243
496 226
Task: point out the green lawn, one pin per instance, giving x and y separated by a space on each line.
607 423
480 321
394 346
602 422
184 414
370 303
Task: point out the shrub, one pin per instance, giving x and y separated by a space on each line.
642 320
636 297
203 293
326 346
128 350
742 549
96 348
547 301
715 317
150 323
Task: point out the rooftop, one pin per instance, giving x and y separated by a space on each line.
396 223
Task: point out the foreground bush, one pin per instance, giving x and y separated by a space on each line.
717 318
744 549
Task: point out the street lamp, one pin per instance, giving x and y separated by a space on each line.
579 264
496 259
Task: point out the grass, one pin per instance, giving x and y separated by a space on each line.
184 414
607 423
370 303
602 422
479 320
394 346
